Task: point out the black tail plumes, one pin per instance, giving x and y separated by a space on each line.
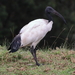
15 44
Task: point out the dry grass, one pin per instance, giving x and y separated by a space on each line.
53 62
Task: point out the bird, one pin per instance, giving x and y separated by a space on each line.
33 32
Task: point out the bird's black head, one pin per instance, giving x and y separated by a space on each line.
49 10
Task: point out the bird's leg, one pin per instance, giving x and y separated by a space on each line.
35 57
33 52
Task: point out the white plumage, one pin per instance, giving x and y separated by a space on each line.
32 33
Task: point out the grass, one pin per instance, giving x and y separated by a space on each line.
55 62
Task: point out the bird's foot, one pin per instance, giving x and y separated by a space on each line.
37 64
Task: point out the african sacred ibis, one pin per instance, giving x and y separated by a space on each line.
32 33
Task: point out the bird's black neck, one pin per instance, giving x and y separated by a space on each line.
48 16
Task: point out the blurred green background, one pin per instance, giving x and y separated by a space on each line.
14 14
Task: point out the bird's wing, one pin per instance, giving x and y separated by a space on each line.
33 24
34 33
23 28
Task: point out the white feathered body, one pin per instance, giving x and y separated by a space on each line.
32 33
